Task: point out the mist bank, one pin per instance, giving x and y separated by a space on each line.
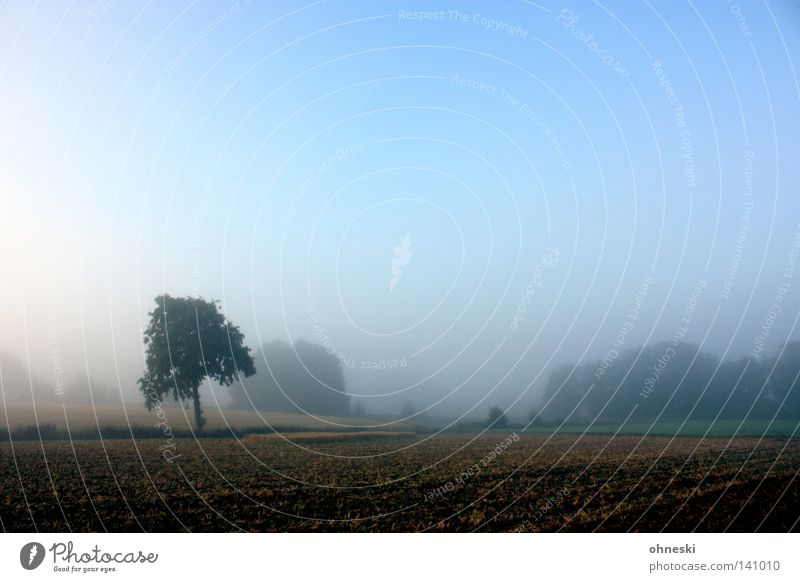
673 381
19 384
665 381
300 378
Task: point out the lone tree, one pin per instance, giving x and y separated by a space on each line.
187 340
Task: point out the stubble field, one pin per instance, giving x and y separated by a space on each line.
457 482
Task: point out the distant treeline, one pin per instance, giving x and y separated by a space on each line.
674 381
18 385
299 377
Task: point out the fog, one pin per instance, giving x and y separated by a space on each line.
451 217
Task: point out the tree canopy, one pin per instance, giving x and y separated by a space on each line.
187 340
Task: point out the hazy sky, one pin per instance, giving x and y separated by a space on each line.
476 192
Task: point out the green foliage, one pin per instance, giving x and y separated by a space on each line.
187 340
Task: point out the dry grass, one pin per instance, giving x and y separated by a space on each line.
82 417
324 437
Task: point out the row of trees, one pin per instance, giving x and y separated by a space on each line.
20 385
675 381
188 340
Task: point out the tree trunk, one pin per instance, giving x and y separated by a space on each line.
199 421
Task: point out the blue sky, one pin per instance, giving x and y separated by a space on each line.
273 156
